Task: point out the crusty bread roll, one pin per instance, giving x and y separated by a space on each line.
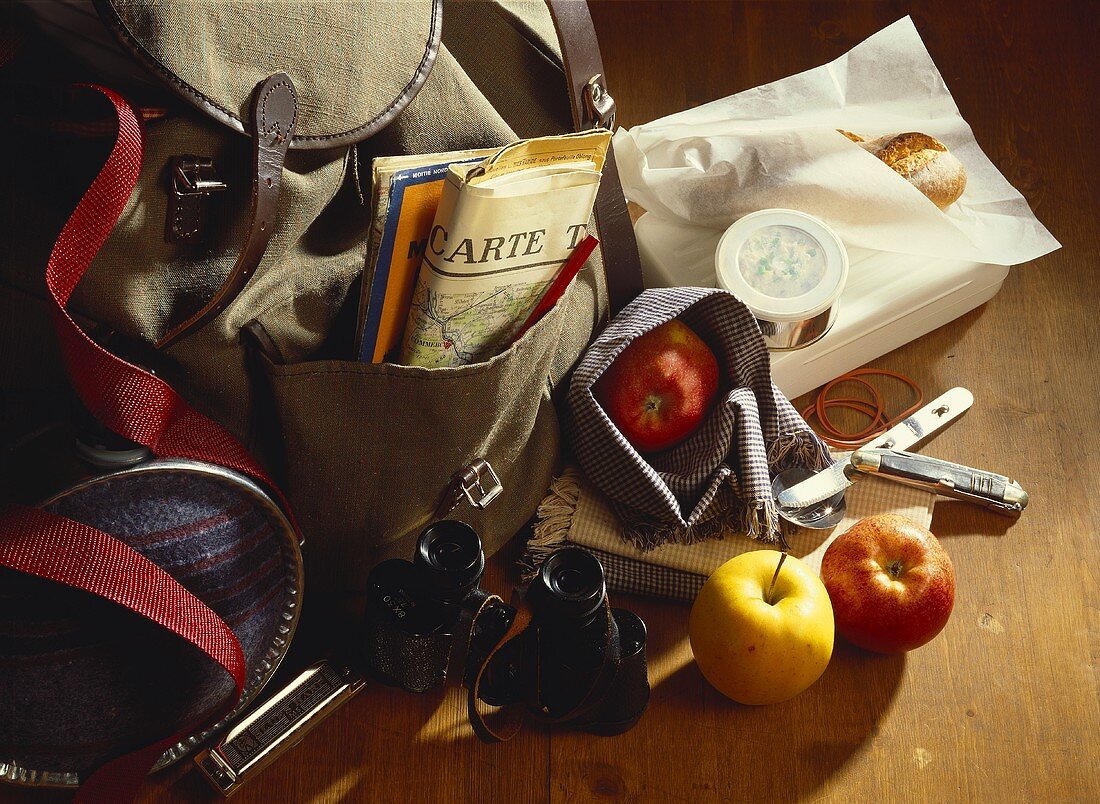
922 160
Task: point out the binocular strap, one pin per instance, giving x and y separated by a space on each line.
503 723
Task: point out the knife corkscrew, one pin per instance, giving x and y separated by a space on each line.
833 480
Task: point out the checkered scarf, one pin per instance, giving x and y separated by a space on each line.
719 478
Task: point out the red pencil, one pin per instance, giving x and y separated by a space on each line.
557 288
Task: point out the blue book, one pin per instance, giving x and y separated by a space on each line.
412 197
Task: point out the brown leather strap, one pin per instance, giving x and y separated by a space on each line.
503 723
598 688
620 250
584 73
274 113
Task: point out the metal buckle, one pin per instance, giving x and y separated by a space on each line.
473 481
478 483
601 106
194 180
194 175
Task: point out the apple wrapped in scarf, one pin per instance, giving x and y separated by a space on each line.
660 388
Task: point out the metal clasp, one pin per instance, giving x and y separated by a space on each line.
196 174
477 483
480 484
601 106
194 180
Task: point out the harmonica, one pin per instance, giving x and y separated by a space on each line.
278 725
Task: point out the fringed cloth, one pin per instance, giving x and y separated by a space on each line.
576 514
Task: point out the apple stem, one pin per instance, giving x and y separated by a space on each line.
779 566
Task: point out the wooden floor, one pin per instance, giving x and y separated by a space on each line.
1003 705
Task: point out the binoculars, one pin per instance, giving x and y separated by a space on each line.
578 662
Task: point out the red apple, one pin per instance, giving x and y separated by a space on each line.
891 583
659 389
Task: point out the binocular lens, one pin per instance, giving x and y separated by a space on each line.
449 555
571 582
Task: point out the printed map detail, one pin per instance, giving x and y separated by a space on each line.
448 329
502 230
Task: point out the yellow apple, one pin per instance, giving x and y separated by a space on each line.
758 643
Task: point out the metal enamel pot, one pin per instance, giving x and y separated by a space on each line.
84 680
789 268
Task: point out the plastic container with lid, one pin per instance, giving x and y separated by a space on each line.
789 268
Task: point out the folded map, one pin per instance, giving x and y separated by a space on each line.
503 229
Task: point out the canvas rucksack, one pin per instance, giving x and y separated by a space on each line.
234 272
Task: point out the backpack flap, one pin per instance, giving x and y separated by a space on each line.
355 64
290 75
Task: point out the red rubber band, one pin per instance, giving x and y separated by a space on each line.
874 409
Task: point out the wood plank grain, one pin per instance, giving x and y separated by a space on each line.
387 744
1003 705
1011 684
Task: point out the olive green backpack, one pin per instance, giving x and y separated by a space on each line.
235 271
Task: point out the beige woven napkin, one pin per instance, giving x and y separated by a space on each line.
574 512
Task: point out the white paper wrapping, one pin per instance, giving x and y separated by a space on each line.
777 146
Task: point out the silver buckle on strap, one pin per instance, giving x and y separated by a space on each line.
601 106
194 180
196 174
477 483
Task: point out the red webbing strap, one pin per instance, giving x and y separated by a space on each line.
129 400
140 407
58 549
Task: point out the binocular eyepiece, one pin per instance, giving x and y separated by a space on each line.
413 607
579 662
570 585
449 560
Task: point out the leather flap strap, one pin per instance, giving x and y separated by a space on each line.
274 114
356 63
592 105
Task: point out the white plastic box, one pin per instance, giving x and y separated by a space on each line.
890 298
